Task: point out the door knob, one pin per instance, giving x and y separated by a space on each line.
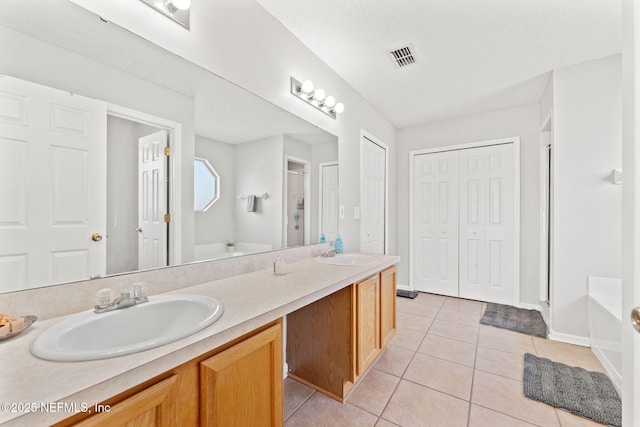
96 237
138 229
635 318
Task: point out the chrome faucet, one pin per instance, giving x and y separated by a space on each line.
106 303
328 254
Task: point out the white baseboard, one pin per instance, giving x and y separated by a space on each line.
403 287
286 370
613 375
530 306
569 338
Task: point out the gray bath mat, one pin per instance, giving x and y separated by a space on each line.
515 319
588 394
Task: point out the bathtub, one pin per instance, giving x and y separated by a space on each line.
219 250
605 324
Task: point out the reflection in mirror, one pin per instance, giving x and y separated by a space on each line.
206 185
104 196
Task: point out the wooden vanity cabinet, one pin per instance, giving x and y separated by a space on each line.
367 323
332 342
242 386
387 305
237 384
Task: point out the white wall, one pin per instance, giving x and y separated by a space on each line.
218 222
587 102
519 121
270 55
259 167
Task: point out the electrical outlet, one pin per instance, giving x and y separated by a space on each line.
341 211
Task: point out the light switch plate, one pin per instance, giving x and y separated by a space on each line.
341 211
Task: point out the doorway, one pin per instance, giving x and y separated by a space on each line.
143 221
328 212
374 165
464 219
297 230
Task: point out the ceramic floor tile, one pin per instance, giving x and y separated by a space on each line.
413 405
573 355
322 411
295 394
404 305
384 423
447 377
373 391
569 420
510 365
448 349
505 395
505 340
461 317
407 338
394 360
412 321
483 417
454 331
434 300
463 305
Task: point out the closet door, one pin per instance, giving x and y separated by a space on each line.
487 224
435 223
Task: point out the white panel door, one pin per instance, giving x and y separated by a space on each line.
435 223
372 225
152 200
487 224
53 197
329 201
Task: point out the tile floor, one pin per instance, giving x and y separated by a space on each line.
443 368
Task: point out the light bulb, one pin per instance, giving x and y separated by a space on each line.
329 101
339 108
318 95
307 86
178 4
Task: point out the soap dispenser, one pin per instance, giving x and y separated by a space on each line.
337 245
322 238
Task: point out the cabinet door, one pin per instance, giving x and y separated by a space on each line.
154 406
387 305
243 385
368 323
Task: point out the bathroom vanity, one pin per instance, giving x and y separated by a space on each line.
338 320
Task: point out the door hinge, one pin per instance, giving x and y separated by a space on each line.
167 151
167 218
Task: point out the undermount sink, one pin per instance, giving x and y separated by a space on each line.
348 259
162 320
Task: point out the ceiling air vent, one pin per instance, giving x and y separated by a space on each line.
403 56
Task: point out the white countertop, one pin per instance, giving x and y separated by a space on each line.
249 300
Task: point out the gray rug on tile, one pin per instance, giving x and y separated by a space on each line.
515 319
585 393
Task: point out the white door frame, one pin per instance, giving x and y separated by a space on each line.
516 153
385 147
320 192
174 173
307 199
546 203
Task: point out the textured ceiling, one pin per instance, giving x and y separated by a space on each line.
473 56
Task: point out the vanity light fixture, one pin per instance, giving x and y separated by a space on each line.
317 98
177 10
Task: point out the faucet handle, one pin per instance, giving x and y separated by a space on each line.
105 296
138 290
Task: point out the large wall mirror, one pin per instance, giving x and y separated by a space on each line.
99 132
